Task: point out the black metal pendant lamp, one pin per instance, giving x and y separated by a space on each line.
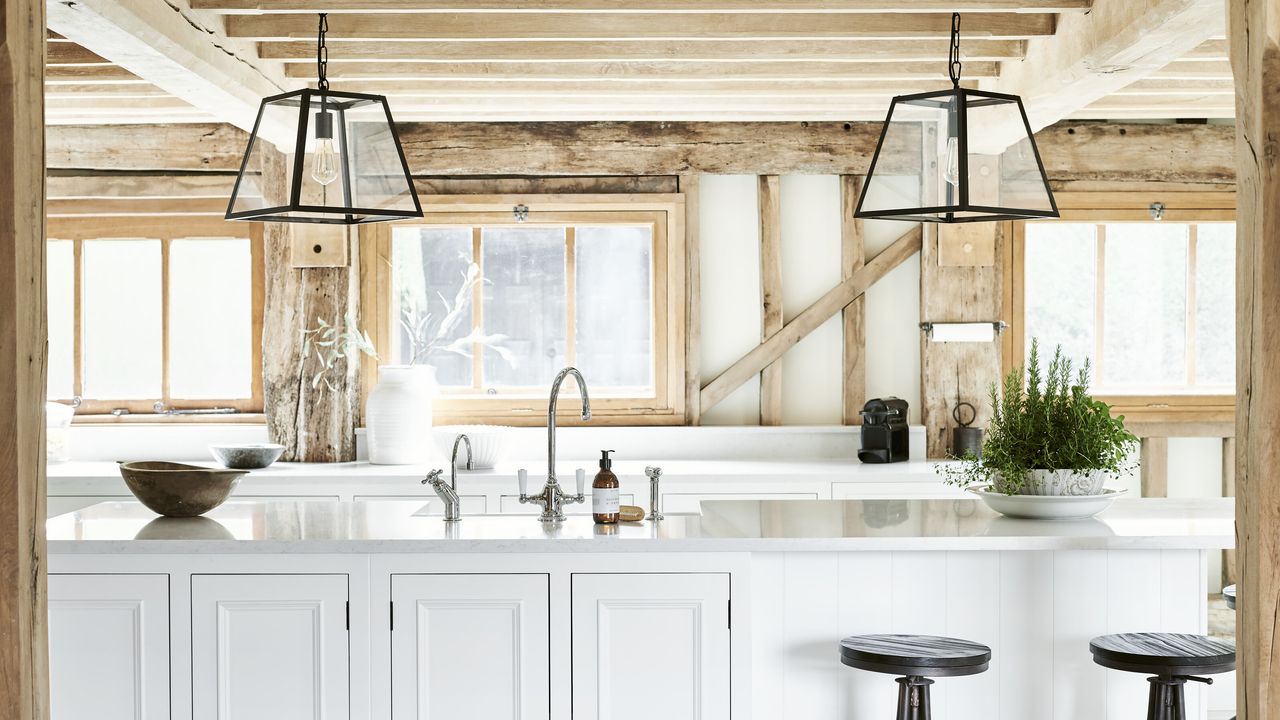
347 165
956 155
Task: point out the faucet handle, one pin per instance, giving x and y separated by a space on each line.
433 477
522 476
580 476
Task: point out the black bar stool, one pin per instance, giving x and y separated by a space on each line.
916 658
1171 658
1229 594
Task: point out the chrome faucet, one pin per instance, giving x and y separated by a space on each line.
552 498
453 459
449 496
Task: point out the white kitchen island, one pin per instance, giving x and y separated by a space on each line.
341 610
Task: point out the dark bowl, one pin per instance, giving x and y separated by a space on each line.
177 490
247 457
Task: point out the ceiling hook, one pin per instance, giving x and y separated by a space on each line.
1157 211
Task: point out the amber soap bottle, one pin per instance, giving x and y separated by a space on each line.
604 492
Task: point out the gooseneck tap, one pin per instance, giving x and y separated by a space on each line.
453 459
552 498
452 504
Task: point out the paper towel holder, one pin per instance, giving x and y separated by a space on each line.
997 325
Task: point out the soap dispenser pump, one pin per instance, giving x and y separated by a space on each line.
604 492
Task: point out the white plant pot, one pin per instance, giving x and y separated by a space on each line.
398 415
1066 482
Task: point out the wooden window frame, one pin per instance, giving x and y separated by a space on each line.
1120 207
664 211
80 228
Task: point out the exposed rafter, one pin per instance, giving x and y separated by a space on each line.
628 6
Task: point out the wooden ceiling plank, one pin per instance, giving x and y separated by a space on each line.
372 74
835 50
140 89
1117 43
178 49
89 73
254 7
656 26
408 90
1150 86
69 53
1194 70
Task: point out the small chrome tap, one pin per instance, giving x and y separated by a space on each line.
452 505
453 459
552 498
655 475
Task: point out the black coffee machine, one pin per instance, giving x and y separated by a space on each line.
884 431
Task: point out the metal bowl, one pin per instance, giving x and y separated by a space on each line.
177 490
247 457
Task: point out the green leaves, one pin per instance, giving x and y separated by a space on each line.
1047 422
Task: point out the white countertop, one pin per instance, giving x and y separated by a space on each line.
241 526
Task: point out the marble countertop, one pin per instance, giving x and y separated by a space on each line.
241 526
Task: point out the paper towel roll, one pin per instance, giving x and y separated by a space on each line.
963 332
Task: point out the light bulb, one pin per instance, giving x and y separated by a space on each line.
952 173
324 161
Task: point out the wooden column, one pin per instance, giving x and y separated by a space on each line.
1228 490
854 317
24 661
313 422
693 300
770 198
1154 461
1255 62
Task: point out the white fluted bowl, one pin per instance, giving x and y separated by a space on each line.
1047 507
488 444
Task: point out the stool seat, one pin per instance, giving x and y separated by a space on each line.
1229 594
1164 653
915 655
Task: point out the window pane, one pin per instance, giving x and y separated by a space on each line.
614 334
435 302
524 300
210 319
121 310
1144 341
60 268
1060 269
1216 305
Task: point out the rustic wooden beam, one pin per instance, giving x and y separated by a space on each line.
1255 58
809 319
372 74
836 50
1229 491
1082 151
657 26
180 50
24 660
1096 53
769 202
215 147
854 320
627 6
693 300
131 186
410 92
1155 467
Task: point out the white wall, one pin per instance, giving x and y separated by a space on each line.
811 371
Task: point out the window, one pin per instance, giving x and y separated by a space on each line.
1150 304
152 313
497 306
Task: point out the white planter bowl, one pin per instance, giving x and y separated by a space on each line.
1066 482
488 444
1047 507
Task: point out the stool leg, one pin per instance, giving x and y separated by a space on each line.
904 699
913 698
1154 699
1178 705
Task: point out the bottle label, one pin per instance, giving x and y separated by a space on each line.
604 501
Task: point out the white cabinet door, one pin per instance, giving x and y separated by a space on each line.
470 646
109 647
651 646
269 647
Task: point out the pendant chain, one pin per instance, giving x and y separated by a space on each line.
953 69
322 53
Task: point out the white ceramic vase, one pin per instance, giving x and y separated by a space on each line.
398 415
1066 482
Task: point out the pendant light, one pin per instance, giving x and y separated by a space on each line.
957 155
347 166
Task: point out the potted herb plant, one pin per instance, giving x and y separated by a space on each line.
1047 436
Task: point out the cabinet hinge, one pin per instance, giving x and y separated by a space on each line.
392 613
348 615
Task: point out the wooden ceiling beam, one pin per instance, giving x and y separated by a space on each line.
121 91
372 74
1095 54
253 7
1150 86
208 146
69 53
1194 70
411 90
89 74
836 50
637 26
178 49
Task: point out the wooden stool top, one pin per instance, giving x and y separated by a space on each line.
921 655
1164 653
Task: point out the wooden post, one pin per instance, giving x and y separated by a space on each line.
1255 62
770 294
1154 460
1228 490
852 258
693 301
24 661
314 422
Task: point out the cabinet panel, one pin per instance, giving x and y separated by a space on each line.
269 647
109 647
470 646
651 646
692 502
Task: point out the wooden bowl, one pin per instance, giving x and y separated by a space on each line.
177 490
